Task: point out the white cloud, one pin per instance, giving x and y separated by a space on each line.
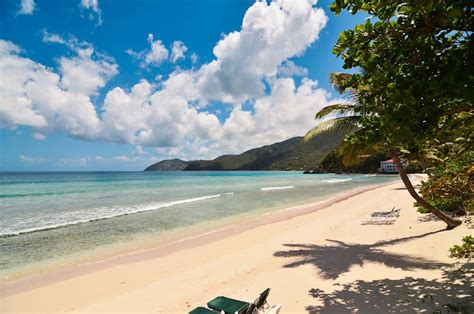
165 119
177 51
270 34
286 112
139 151
289 68
53 38
88 162
72 162
194 58
93 6
122 158
38 136
84 74
155 118
153 56
171 115
33 160
90 4
158 52
27 7
36 96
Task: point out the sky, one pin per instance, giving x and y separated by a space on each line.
88 85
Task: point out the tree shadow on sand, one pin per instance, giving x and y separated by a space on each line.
452 293
334 260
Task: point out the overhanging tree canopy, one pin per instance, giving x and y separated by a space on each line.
416 61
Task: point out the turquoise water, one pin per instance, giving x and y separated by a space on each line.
48 216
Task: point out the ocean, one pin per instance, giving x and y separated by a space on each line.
55 218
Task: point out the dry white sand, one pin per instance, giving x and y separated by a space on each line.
314 260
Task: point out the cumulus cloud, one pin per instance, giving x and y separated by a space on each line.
178 49
139 151
121 158
172 115
155 118
84 74
270 34
38 136
37 96
27 7
93 7
158 52
53 38
289 68
153 56
87 161
33 160
90 4
194 58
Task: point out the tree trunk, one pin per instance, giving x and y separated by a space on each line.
452 223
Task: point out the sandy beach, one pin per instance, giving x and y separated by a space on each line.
315 258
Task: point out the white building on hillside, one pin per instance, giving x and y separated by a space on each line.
388 166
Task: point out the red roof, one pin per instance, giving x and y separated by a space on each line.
388 160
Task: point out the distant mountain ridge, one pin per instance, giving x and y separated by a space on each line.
291 154
168 165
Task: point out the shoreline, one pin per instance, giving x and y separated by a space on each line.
174 243
315 258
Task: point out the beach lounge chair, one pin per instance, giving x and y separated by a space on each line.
232 306
203 310
393 213
383 218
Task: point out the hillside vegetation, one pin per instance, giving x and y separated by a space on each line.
291 154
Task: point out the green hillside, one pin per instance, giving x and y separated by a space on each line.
291 154
167 165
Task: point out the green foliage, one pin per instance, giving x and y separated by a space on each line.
465 250
414 56
336 108
341 124
292 154
168 165
366 164
450 185
455 138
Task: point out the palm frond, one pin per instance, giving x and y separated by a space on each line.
347 124
350 152
335 108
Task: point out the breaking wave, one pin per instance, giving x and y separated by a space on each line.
271 188
49 222
336 180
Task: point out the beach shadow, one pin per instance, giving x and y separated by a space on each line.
453 293
334 260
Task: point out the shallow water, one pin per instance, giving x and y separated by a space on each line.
51 216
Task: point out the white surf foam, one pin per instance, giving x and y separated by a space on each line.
336 180
48 222
271 188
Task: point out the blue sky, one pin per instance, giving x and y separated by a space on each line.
118 85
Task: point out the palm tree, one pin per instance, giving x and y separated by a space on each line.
348 117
